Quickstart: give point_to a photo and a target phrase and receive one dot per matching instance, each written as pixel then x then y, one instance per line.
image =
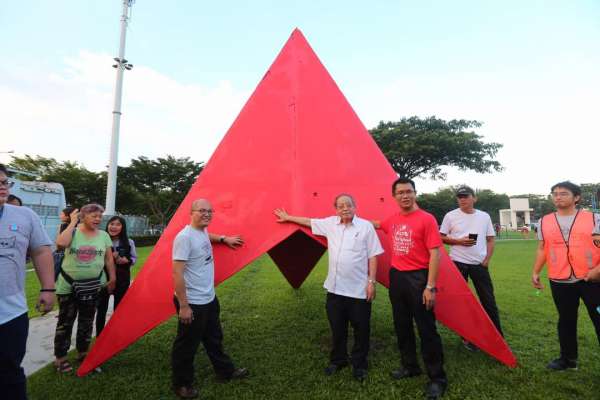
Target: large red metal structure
pixel 297 143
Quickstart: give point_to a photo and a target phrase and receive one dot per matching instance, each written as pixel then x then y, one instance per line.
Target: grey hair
pixel 91 208
pixel 343 195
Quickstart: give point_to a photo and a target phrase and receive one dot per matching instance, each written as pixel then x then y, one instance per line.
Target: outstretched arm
pixel 231 241
pixel 283 216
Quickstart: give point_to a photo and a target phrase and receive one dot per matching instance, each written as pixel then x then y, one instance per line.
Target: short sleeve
pixel 596 230
pixel 320 226
pixel 540 235
pixel 373 244
pixel 432 234
pixel 445 228
pixel 133 252
pixel 385 225
pixel 181 248
pixel 38 237
pixel 490 228
pixel 107 241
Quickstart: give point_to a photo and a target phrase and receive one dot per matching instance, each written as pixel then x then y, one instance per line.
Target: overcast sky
pixel 528 70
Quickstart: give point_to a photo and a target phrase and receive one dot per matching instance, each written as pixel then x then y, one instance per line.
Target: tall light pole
pixel 121 66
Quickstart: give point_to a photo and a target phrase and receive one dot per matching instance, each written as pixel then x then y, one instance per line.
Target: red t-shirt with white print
pixel 411 236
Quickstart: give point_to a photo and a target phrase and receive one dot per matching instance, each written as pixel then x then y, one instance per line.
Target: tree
pixel 444 200
pixel 161 184
pixel 416 146
pixel 81 185
pixel 590 195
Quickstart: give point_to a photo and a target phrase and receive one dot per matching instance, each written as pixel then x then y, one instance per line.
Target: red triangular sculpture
pixel 296 144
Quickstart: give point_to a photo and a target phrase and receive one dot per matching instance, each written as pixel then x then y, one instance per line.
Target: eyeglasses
pixel 404 192
pixel 560 194
pixel 7 183
pixel 204 211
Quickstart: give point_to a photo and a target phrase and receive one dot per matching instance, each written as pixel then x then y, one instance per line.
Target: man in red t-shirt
pixel 415 241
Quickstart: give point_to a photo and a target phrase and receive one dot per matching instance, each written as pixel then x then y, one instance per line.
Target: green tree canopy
pixel 81 185
pixel 416 146
pixel 154 188
pixel 161 184
pixel 444 200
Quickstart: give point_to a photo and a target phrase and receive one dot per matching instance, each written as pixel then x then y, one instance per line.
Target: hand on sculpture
pixel 233 241
pixel 282 215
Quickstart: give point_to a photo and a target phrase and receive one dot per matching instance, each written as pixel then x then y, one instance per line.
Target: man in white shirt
pixel 197 305
pixel 353 248
pixel 471 237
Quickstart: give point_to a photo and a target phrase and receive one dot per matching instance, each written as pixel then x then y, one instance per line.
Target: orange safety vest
pixel 577 255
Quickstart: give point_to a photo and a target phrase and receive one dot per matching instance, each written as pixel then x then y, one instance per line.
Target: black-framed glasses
pixel 7 183
pixel 205 211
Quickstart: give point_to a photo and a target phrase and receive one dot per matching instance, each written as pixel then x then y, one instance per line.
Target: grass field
pixel 282 336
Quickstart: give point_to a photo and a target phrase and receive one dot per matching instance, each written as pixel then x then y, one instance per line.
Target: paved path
pixel 40 342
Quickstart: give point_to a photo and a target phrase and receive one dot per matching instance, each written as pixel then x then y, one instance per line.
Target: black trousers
pixel 122 284
pixel 205 328
pixel 406 295
pixel 13 339
pixel 566 298
pixel 342 310
pixel 482 281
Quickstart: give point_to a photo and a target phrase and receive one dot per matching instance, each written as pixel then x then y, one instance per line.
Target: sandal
pixel 64 367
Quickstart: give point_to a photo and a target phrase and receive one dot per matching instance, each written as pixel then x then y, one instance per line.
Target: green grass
pixel 282 336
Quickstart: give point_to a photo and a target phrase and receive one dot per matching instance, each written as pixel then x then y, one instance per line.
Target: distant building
pixel 517 215
pixel 47 199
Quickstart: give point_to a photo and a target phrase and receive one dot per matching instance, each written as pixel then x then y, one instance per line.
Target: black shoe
pixel 403 373
pixel 360 374
pixel 238 373
pixel 435 390
pixel 561 364
pixel 333 368
pixel 186 392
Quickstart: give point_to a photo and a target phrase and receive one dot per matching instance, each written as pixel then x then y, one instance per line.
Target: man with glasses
pixel 470 234
pixel 353 249
pixel 567 246
pixel 196 303
pixel 20 230
pixel 415 242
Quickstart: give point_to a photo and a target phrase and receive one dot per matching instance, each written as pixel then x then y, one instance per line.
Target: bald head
pixel 201 204
pixel 202 213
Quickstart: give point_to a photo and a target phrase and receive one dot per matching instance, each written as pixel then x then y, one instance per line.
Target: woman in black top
pixel 125 256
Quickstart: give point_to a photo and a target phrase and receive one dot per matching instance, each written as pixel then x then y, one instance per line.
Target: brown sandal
pixel 64 367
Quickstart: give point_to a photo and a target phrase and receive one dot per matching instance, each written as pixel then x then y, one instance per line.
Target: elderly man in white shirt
pixel 353 249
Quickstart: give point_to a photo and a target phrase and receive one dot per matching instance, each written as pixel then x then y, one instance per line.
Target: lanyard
pixel 1 211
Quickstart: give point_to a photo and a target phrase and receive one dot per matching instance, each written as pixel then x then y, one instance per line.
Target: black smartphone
pixel 473 236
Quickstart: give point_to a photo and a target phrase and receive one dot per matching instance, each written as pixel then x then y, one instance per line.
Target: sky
pixel 528 70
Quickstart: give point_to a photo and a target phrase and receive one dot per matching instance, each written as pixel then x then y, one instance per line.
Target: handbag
pixel 84 290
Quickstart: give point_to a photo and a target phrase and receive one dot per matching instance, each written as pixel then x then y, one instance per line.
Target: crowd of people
pixel 90 264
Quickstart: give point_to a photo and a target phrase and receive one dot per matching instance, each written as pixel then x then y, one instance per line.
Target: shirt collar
pixel 339 220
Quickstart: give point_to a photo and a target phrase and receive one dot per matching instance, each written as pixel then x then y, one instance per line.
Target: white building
pixel 517 215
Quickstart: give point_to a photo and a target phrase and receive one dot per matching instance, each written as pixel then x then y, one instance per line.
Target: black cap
pixel 465 191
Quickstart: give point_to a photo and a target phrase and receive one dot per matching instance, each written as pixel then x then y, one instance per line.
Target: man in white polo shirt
pixel 471 237
pixel 353 248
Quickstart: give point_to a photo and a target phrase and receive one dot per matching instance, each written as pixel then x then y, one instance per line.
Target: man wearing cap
pixel 471 236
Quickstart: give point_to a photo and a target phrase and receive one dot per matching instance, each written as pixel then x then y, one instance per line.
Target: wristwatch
pixel 222 239
pixel 432 289
pixel 373 281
